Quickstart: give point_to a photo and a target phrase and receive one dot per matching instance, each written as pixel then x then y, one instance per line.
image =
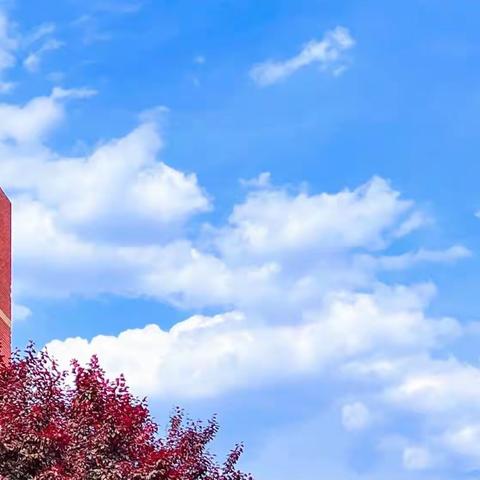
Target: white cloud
pixel 273 222
pixel 286 263
pixel 299 299
pixel 21 312
pixel 417 219
pixel 410 259
pixel 465 441
pixel 355 416
pixel 205 356
pixel 7 87
pixel 84 225
pixel 120 180
pixel 416 458
pixel 260 181
pixel 328 53
pixel 426 386
pixel 31 123
pixel 442 393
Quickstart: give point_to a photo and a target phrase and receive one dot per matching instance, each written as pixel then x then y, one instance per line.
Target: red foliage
pixel 85 427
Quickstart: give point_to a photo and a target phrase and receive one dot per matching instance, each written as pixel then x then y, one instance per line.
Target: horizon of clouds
pixel 244 268
pixel 288 270
pixel 328 53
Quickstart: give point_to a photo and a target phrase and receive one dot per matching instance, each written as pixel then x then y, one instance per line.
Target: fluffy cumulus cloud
pixel 272 221
pixel 443 393
pixel 291 274
pixel 119 183
pixel 328 53
pixel 111 222
pixel 29 124
pixel 203 356
pixel 102 213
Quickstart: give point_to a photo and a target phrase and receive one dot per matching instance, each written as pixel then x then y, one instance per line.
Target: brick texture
pixel 5 272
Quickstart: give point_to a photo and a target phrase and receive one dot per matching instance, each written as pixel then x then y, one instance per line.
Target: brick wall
pixel 5 273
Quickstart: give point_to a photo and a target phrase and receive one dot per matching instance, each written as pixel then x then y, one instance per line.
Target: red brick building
pixel 5 274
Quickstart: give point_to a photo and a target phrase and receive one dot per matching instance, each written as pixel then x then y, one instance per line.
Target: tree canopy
pixel 79 425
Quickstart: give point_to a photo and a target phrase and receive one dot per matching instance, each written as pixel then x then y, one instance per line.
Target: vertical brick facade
pixel 5 274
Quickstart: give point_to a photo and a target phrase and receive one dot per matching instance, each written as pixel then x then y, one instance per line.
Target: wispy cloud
pixel 15 44
pixel 90 29
pixel 34 59
pixel 8 42
pixel 37 44
pixel 91 23
pixel 328 53
pixel 8 46
pixel 119 6
pixel 39 33
pixel 263 180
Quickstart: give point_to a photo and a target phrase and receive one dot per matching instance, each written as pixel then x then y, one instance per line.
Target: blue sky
pixel 266 210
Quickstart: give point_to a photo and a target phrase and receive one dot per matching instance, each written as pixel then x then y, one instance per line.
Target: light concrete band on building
pixel 5 319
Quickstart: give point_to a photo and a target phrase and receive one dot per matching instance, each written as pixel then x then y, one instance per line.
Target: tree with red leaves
pixel 81 426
